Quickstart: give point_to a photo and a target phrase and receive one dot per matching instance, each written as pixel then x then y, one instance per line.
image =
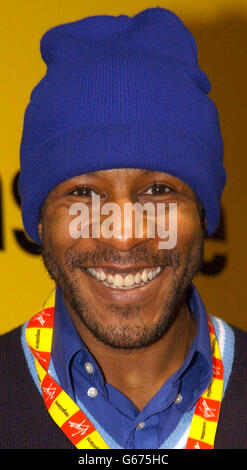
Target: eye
pixel 158 189
pixel 83 191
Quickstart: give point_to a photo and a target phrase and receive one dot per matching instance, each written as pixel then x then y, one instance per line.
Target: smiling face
pixel 124 290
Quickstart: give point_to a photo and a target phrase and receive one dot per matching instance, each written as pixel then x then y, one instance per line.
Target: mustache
pixel 110 255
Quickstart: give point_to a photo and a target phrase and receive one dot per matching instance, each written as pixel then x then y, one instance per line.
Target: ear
pixel 40 229
pixel 205 225
pixel 40 224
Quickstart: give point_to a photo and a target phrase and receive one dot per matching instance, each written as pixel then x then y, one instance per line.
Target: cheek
pixel 56 229
pixel 57 236
pixel 189 229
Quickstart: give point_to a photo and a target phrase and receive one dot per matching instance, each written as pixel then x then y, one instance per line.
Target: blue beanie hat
pixel 121 92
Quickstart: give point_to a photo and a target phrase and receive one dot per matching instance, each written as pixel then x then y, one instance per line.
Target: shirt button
pixel 89 367
pixel 179 399
pixel 92 392
pixel 141 425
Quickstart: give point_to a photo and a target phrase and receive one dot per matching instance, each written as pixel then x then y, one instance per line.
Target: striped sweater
pixel 25 422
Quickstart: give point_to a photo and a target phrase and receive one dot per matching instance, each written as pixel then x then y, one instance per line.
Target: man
pixel 123 354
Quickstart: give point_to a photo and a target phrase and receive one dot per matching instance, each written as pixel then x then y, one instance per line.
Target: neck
pixel 140 373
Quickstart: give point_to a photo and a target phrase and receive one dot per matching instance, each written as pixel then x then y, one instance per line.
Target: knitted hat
pixel 120 92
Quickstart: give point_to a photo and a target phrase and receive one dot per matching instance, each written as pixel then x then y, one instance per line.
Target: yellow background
pixel 220 29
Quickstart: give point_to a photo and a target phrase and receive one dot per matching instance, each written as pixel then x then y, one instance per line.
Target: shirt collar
pixel 196 371
pixel 67 342
pixel 201 343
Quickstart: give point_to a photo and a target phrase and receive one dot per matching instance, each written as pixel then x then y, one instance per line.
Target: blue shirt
pixel 78 372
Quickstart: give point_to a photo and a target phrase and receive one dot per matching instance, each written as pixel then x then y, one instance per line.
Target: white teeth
pixel 118 280
pixel 125 282
pixel 138 278
pixel 144 276
pixel 102 275
pixel 110 278
pixel 129 280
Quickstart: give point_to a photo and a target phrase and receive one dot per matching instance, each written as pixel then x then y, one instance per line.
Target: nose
pixel 125 224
